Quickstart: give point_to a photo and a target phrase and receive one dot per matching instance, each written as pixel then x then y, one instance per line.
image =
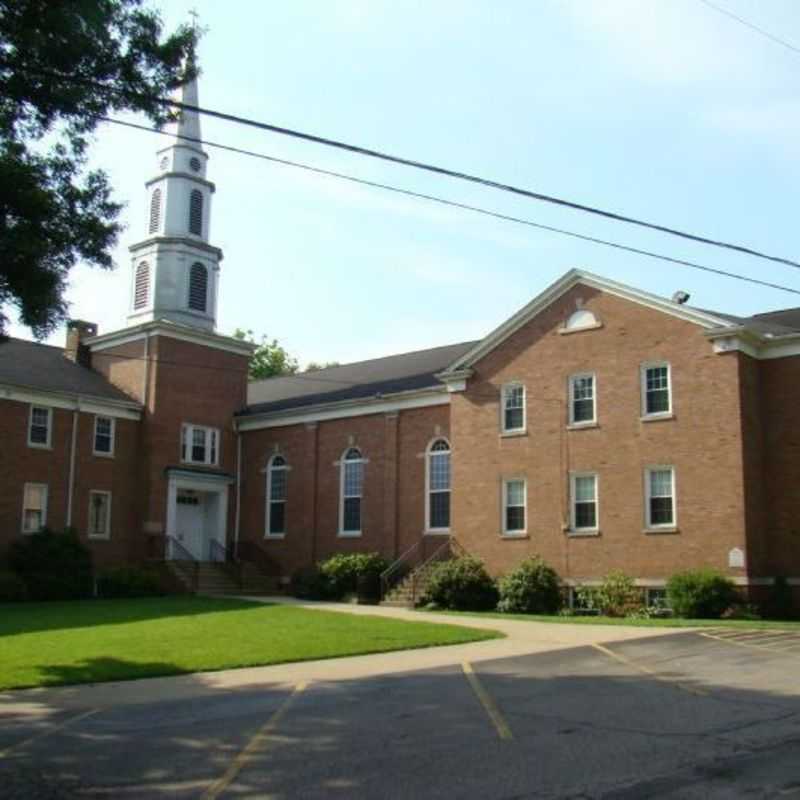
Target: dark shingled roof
pixel 361 380
pixel 777 323
pixel 43 367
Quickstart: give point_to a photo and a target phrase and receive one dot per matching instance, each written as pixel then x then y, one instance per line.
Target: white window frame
pixel 584 423
pixel 49 443
pixel 342 468
pixel 187 434
pixel 517 532
pixel 429 453
pixel 113 436
pixel 45 502
pixel 573 529
pixel 271 469
pixel 643 390
pixel 648 523
pixel 504 392
pixel 107 533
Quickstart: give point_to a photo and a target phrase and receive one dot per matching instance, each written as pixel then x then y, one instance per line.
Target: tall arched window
pixel 155 211
pixel 141 286
pixel 198 287
pixel 277 470
pixel 437 496
pixel 351 487
pixel 196 212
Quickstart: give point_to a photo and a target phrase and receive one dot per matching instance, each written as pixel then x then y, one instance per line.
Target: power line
pixel 462 206
pixel 751 25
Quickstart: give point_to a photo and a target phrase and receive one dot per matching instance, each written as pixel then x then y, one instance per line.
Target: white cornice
pixel 756 345
pixel 163 242
pixel 89 404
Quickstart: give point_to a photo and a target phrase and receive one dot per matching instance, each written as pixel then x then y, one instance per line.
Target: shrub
pixel 462 584
pixel 700 594
pixel 778 603
pixel 344 571
pixel 618 595
pixel 532 588
pixel 309 583
pixel 12 588
pixel 128 582
pixel 53 566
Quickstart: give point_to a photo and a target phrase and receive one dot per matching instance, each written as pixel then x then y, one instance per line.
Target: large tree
pixel 269 359
pixel 64 64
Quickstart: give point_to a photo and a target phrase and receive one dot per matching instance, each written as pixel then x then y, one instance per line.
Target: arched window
pixel 196 212
pixel 141 286
pixel 155 210
pixel 351 487
pixel 198 287
pixel 277 471
pixel 437 479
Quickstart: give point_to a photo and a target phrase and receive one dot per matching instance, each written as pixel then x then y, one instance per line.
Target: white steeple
pixel 175 271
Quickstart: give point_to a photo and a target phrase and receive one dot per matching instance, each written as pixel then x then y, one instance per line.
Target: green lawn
pixel 47 644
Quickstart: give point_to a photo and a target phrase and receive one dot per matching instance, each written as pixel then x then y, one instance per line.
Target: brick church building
pixel 601 427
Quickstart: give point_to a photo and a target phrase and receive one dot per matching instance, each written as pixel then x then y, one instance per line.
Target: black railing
pixel 224 558
pixel 247 551
pixel 413 564
pixel 169 548
pixel 399 568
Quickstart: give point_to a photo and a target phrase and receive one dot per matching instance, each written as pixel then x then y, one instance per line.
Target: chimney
pixel 77 332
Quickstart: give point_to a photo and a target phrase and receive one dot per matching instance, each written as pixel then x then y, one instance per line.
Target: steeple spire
pixel 188 122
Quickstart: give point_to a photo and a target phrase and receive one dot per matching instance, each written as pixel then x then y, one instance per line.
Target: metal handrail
pixel 186 561
pixel 223 557
pixel 392 575
pixel 448 545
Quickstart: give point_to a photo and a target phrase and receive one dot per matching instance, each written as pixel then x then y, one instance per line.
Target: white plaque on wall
pixel 736 557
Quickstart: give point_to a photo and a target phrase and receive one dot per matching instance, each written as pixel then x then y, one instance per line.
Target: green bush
pixel 309 583
pixel 344 571
pixel 461 584
pixel 12 588
pixel 128 582
pixel 53 566
pixel 700 594
pixel 532 588
pixel 618 596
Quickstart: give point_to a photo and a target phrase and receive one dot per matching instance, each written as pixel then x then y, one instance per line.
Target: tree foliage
pixel 63 65
pixel 315 366
pixel 269 359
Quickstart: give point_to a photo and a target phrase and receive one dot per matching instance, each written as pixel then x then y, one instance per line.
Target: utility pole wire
pixel 751 25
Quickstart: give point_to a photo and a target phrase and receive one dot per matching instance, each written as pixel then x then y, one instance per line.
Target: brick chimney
pixel 75 350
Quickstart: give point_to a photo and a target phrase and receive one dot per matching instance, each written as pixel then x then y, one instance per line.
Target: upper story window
pixel 515 492
pixel 40 426
pixel 583 495
pixel 34 507
pixel 196 212
pixel 198 287
pixel 199 445
pixel 660 497
pixel 351 489
pixel 656 390
pixel 582 399
pixel 513 407
pixel 104 436
pixel 141 286
pixel 438 483
pixel 277 474
pixel 155 211
pixel 99 515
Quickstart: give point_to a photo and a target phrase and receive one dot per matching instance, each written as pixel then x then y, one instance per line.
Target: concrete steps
pixel 405 594
pixel 213 579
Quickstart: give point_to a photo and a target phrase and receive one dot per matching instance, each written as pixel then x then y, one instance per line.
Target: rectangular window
pixel 34 507
pixel 352 484
pixel 660 497
pixel 40 426
pixel 582 399
pixel 277 501
pixel 439 487
pixel 513 399
pixel 199 445
pixel 514 501
pixel 104 436
pixel 656 390
pixel 584 502
pixel 99 515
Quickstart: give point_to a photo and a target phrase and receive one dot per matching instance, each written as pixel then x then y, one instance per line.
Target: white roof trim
pixel 563 285
pixel 89 404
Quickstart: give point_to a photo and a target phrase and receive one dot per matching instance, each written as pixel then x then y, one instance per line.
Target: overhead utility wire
pixel 750 25
pixel 463 206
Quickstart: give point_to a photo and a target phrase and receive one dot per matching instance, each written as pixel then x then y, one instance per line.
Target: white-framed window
pixel 277 475
pixel 659 484
pixel 198 287
pixel 34 507
pixel 199 445
pixel 512 398
pixel 437 482
pixel 515 492
pixel 99 515
pixel 656 390
pixel 351 487
pixel 584 516
pixel 40 426
pixel 104 434
pixel 583 399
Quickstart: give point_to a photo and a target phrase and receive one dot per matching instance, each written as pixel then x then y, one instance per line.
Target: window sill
pixel 656 417
pixel 274 537
pixel 349 534
pixel 667 529
pixel 515 535
pixel 567 331
pixel 579 426
pixel 34 446
pixel 102 455
pixel 512 434
pixel 436 532
pixel 580 534
pixel 200 464
pixel 97 537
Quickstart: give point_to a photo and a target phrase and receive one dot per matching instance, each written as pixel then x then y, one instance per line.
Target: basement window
pixel 199 445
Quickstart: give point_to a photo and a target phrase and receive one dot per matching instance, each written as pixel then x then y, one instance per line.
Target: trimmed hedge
pixel 461 584
pixel 617 596
pixel 345 572
pixel 700 594
pixel 128 582
pixel 532 588
pixel 12 588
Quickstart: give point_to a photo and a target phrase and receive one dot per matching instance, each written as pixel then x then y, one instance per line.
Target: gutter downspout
pixel 238 492
pixel 71 479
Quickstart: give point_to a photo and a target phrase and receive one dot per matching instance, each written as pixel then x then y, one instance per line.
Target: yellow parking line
pixel 501 726
pixel 649 672
pixel 759 647
pixel 221 784
pixel 49 732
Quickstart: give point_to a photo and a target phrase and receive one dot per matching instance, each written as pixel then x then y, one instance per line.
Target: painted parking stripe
pixel 48 732
pixel 257 742
pixel 760 647
pixel 493 712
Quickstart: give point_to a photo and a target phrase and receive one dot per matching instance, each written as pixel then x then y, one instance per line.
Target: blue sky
pixel 661 109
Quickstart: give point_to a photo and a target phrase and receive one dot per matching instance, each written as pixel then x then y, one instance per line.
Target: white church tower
pixel 175 271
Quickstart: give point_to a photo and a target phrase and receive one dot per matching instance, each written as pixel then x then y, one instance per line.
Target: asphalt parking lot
pixel 694 714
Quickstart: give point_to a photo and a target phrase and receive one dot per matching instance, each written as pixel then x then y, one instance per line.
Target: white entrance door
pixel 190 522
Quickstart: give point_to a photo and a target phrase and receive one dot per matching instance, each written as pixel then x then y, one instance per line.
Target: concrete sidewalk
pixel 521 638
